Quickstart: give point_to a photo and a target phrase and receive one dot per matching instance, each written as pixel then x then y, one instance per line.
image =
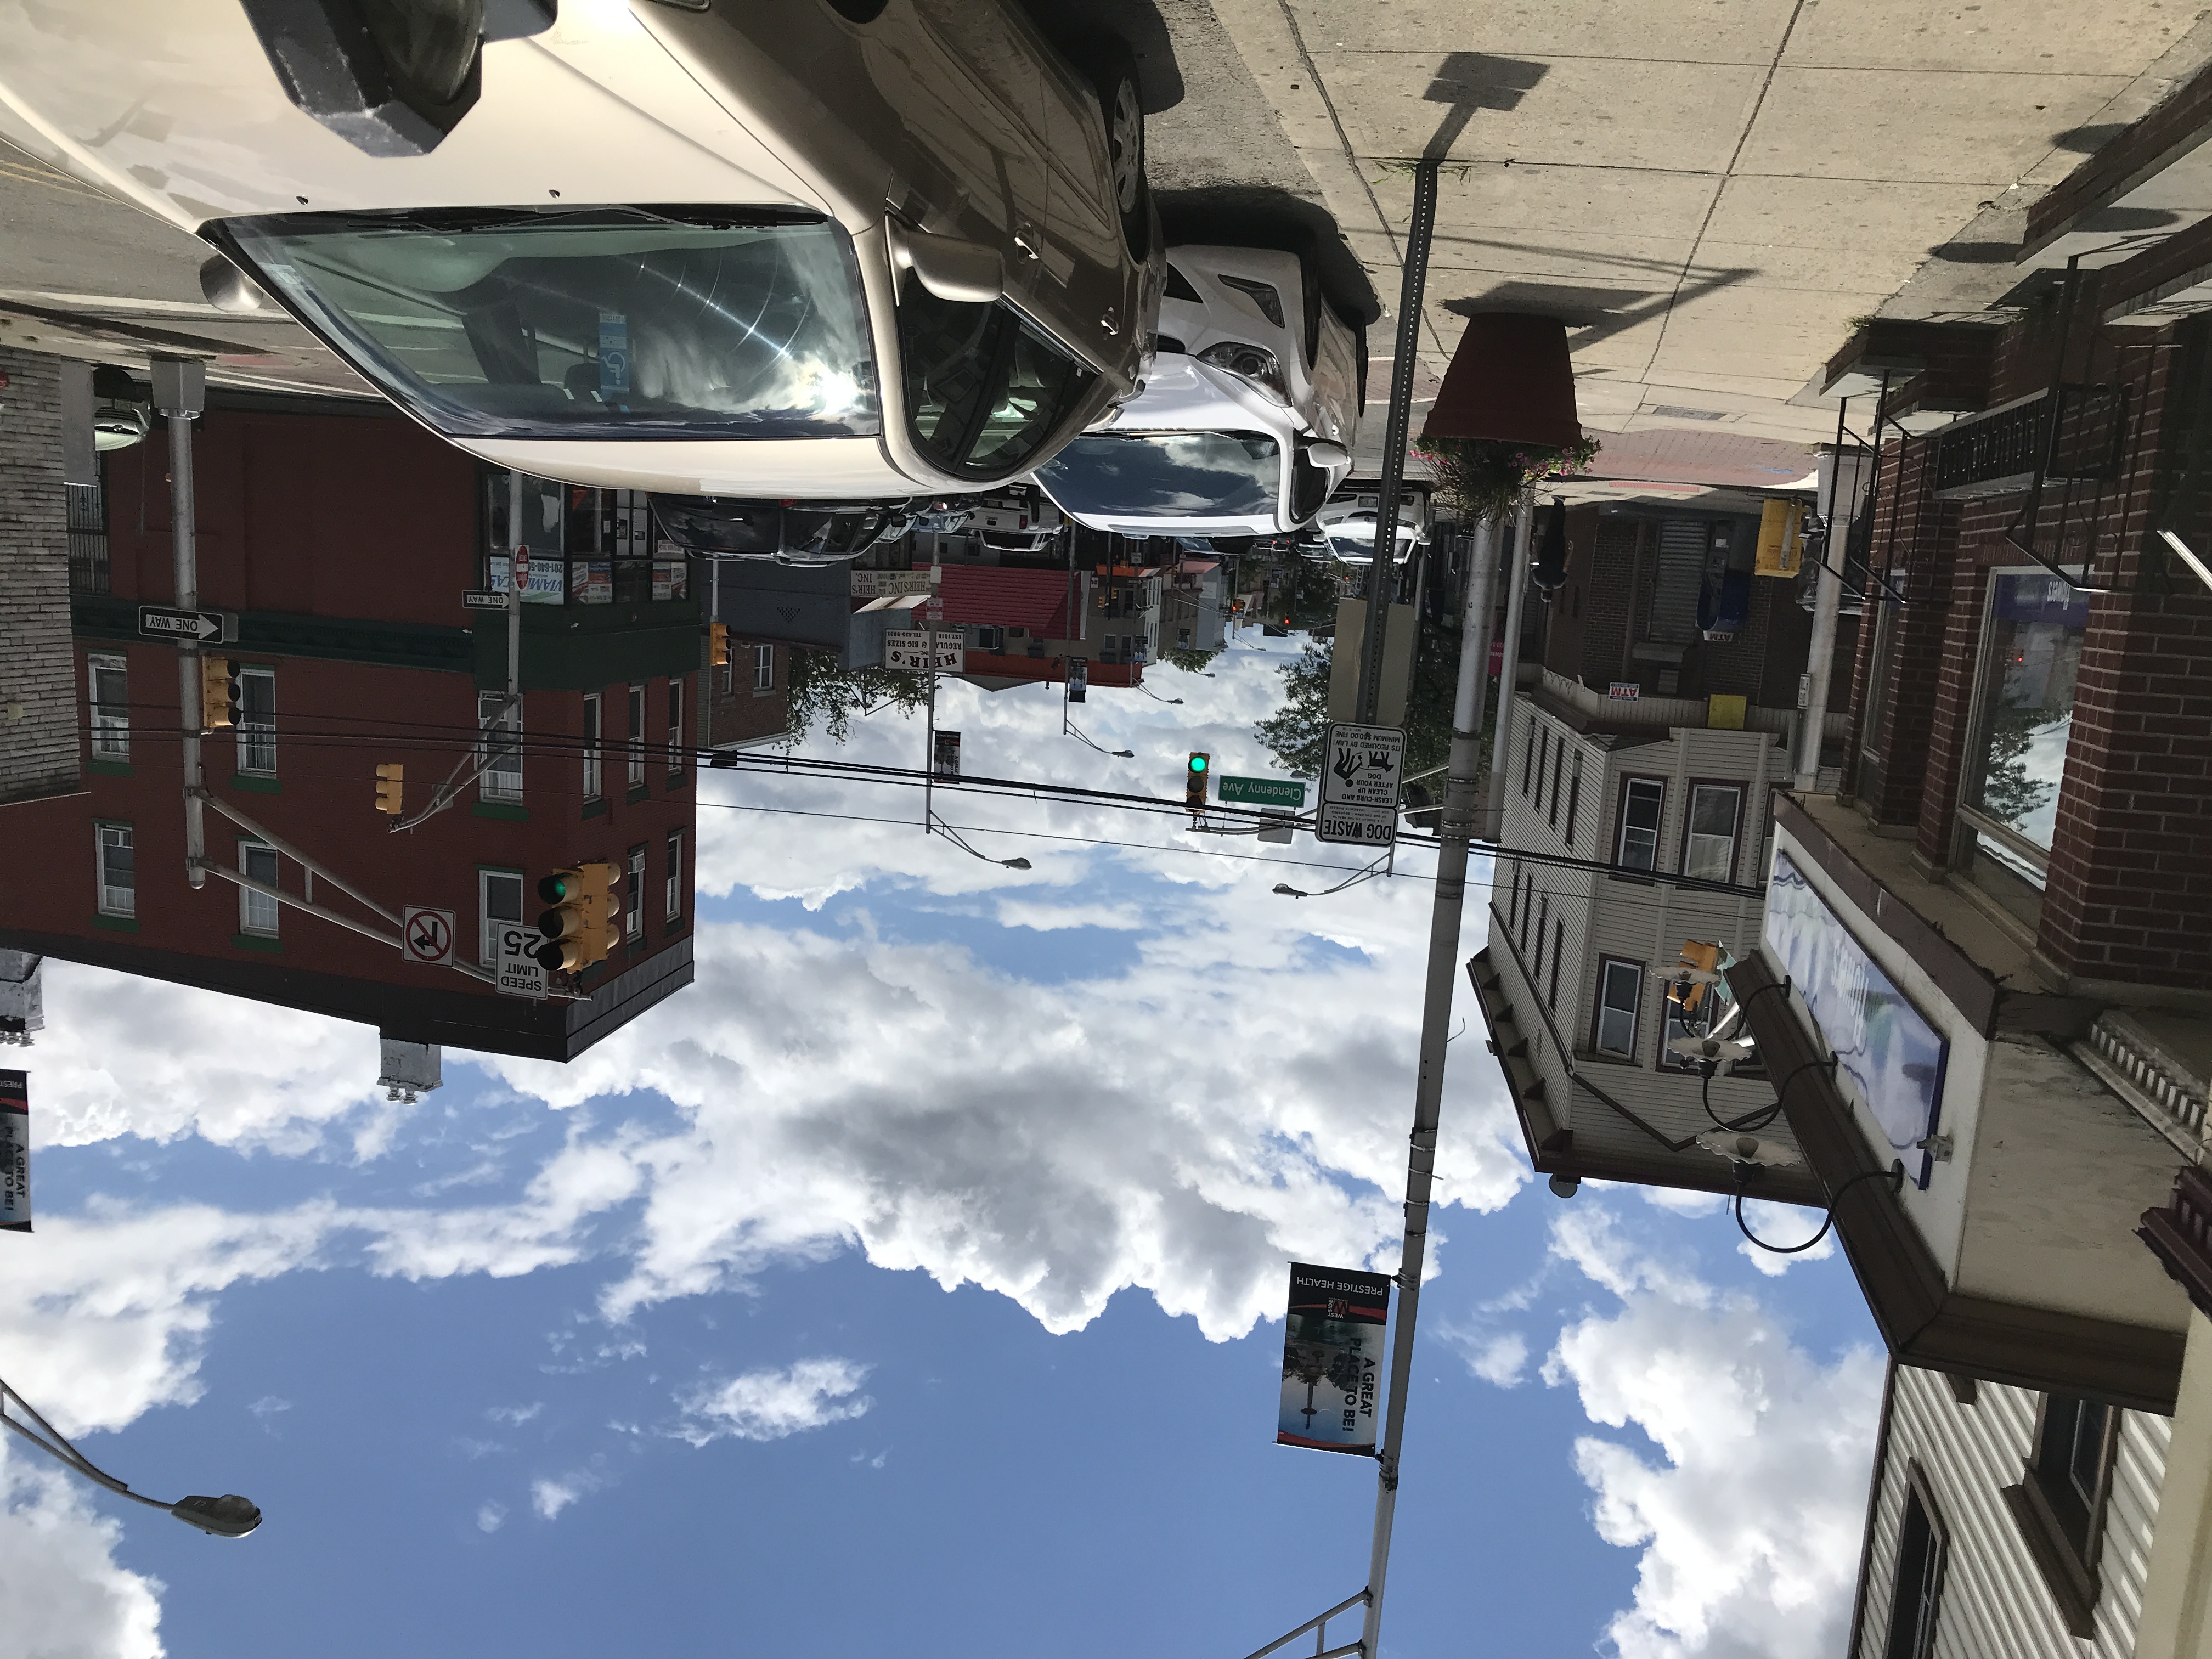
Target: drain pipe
pixel 1513 571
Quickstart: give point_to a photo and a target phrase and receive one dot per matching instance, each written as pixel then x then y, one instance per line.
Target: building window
pixel 499 895
pixel 1559 949
pixel 1513 903
pixel 1543 754
pixel 1709 838
pixel 593 729
pixel 1620 995
pixel 674 881
pixel 1527 758
pixel 637 737
pixel 2059 1505
pixel 501 778
pixel 1918 1584
pixel 257 720
pixel 107 684
pixel 1574 798
pixel 1642 801
pixel 634 924
pixel 676 744
pixel 1543 916
pixel 257 913
pixel 2024 716
pixel 763 668
pixel 118 878
pixel 1559 765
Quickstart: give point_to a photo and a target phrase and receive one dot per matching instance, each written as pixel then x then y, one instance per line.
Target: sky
pixel 912 1282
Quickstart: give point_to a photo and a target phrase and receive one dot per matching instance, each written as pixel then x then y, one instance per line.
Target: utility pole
pixel 1456 829
pixel 1516 581
pixel 180 393
pixel 1397 434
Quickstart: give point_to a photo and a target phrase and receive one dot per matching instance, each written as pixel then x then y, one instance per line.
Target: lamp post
pixel 227 1516
pixel 939 826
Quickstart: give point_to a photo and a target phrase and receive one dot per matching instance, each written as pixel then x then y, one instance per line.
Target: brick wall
pixel 39 742
pixel 746 711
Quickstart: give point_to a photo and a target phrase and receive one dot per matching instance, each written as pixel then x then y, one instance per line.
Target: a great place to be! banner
pixel 1332 1358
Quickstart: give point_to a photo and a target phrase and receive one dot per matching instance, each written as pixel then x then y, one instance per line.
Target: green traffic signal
pixel 1198 762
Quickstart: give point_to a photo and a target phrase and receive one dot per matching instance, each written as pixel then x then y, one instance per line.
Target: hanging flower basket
pixel 1504 417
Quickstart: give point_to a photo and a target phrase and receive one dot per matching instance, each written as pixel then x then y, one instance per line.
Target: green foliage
pixel 1483 476
pixel 2008 793
pixel 1190 661
pixel 825 695
pixel 1298 733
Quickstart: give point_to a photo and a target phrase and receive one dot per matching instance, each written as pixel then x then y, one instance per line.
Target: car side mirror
pixel 1326 454
pixel 963 272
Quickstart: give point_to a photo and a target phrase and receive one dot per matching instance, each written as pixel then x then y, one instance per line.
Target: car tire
pixel 1120 100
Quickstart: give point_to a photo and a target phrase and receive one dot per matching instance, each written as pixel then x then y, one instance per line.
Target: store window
pixel 108 691
pixel 2024 717
pixel 117 857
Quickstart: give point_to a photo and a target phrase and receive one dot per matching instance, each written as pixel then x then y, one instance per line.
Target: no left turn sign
pixel 427 936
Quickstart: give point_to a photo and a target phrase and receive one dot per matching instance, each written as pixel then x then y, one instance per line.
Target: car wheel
pixel 1120 100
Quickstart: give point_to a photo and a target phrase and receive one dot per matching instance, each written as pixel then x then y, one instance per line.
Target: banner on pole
pixel 1333 1359
pixel 14 1152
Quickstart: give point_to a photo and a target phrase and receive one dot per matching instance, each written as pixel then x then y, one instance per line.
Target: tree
pixel 1189 660
pixel 1298 733
pixel 825 694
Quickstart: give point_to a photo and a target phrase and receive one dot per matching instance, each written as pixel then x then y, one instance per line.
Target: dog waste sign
pixel 1359 785
pixel 1333 1359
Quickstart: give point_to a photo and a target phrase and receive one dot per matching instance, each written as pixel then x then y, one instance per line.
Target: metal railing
pixel 87 519
pixel 2007 447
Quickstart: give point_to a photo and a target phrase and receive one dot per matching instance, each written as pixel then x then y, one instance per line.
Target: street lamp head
pixel 1125 754
pixel 1289 891
pixel 227 1516
pixel 1015 863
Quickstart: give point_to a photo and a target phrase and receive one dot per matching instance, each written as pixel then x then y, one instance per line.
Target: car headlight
pixel 1251 363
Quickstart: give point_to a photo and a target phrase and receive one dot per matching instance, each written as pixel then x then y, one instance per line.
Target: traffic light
pixel 391 780
pixel 1194 782
pixel 719 656
pixel 1689 992
pixel 219 692
pixel 580 928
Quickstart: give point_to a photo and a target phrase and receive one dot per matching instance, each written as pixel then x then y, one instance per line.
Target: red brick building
pixel 344 543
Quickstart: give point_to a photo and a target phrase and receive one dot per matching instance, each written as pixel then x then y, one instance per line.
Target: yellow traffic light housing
pixel 1690 994
pixel 390 782
pixel 1195 772
pixel 719 655
pixel 580 928
pixel 218 692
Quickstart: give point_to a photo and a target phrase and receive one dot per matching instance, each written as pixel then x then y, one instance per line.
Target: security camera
pixel 1750 1149
pixel 1566 1186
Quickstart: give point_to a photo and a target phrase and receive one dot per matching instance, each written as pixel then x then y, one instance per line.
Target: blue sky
pixel 909 1283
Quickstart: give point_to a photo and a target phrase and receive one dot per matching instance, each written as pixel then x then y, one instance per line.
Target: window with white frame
pixel 674 882
pixel 502 746
pixel 257 720
pixel 593 726
pixel 637 737
pixel 499 905
pixel 1709 837
pixel 676 744
pixel 1642 801
pixel 634 924
pixel 1574 796
pixel 118 869
pixel 1620 995
pixel 257 913
pixel 763 668
pixel 107 687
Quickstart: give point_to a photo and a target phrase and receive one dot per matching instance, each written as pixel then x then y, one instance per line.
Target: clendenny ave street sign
pixel 1359 785
pixel 1261 792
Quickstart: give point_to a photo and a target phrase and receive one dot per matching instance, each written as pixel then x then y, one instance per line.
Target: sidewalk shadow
pixel 1260 216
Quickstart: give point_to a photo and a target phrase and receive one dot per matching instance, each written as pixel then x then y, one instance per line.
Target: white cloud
pixel 65 1595
pixel 1499 1360
pixel 490 1517
pixel 1784 1224
pixel 773 1405
pixel 1749 1522
pixel 549 1498
pixel 514 1416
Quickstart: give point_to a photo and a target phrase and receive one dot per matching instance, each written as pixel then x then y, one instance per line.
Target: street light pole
pixel 1454 832
pixel 227 1516
pixel 1508 667
pixel 180 393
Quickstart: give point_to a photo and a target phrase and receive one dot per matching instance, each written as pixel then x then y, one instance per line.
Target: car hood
pixel 778 469
pixel 1182 394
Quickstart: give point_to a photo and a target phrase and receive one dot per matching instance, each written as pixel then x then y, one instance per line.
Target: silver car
pixel 841 250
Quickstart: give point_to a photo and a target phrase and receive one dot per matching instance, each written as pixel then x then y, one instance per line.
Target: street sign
pixel 14 1152
pixel 476 598
pixel 888 584
pixel 427 936
pixel 1078 679
pixel 1333 1359
pixel 160 621
pixel 1261 792
pixel 917 650
pixel 1359 785
pixel 520 973
pixel 945 762
pixel 1280 829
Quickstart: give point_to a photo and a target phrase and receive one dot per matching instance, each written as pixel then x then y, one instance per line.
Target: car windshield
pixel 984 386
pixel 1167 474
pixel 607 323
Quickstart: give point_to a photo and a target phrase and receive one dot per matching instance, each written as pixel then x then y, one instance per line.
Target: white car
pixel 848 250
pixel 1246 421
pixel 1347 524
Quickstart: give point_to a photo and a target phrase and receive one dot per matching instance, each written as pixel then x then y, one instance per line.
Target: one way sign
pixel 159 622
